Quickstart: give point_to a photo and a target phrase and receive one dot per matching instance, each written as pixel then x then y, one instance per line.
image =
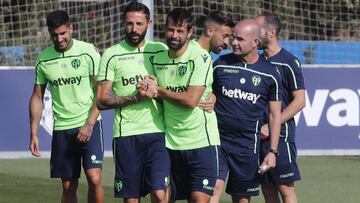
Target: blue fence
pixel 330 121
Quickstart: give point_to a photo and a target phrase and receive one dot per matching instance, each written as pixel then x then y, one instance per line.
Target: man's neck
pixel 251 58
pixel 272 49
pixel 135 45
pixel 204 42
pixel 178 53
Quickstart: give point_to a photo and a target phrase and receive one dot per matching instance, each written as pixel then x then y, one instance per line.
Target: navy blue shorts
pixel 241 166
pixel 286 169
pixel 67 153
pixel 142 165
pixel 193 170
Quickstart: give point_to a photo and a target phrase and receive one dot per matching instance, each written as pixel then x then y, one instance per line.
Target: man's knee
pixel 69 186
pixel 93 177
pixel 287 192
pixel 240 199
pixel 158 196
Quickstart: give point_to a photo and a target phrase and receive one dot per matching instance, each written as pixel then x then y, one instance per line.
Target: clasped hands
pixel 148 87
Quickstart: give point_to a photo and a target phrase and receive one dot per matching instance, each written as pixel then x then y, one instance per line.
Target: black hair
pixel 137 6
pixel 217 17
pixel 57 18
pixel 180 15
pixel 271 20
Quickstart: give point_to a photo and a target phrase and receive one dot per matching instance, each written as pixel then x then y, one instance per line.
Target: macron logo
pixel 239 94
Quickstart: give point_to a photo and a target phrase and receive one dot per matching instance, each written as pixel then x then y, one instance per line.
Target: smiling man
pixel 69 67
pixel 142 163
pixel 184 76
pixel 246 86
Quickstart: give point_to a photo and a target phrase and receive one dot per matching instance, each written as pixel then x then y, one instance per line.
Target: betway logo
pixel 239 94
pixel 179 88
pixel 66 81
pixel 131 80
pixel 342 107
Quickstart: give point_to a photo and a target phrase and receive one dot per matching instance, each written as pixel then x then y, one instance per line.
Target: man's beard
pixel 135 42
pixel 177 46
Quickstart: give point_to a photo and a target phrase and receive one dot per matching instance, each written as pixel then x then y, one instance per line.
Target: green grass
pixel 324 179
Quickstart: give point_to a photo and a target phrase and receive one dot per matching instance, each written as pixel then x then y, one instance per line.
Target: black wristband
pixel 274 151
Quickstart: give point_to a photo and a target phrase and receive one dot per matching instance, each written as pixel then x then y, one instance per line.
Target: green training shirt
pixel 125 66
pixel 69 75
pixel 187 128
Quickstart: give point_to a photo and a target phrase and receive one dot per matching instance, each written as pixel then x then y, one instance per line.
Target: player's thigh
pixel 65 161
pixel 204 169
pixel 243 178
pixel 194 170
pixel 93 150
pixel 129 157
pixel 157 167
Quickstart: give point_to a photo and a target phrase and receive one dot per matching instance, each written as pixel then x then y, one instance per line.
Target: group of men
pixel 170 138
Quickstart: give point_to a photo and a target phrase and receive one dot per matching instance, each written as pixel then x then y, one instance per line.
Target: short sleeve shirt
pixel 187 128
pixel 125 66
pixel 69 75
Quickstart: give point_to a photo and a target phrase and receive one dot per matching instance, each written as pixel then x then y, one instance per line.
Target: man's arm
pixel 105 99
pixel 274 128
pixel 209 104
pixel 85 131
pixel 295 105
pixel 190 98
pixel 35 111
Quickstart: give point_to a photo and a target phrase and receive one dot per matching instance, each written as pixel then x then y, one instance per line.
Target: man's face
pixel 136 26
pixel 264 35
pixel 220 39
pixel 61 37
pixel 243 42
pixel 177 35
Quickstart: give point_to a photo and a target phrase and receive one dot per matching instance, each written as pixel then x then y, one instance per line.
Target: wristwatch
pixel 274 151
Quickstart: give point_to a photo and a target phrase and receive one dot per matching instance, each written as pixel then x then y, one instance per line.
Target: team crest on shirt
pixel 182 70
pixel 75 63
pixel 256 80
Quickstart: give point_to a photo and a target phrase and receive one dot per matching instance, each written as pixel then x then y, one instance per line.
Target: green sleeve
pixel 202 65
pixel 107 67
pixel 39 74
pixel 94 63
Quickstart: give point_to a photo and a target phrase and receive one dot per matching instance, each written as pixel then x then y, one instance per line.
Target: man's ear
pixel 210 31
pixel 71 28
pixel 272 32
pixel 190 32
pixel 256 43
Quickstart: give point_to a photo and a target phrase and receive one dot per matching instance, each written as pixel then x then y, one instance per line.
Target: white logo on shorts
pixel 205 185
pixel 205 182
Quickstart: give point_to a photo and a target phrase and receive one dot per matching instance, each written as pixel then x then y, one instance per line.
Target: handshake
pixel 148 87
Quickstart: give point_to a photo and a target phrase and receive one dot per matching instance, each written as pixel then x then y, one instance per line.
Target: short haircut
pixel 180 15
pixel 135 6
pixel 271 20
pixel 57 18
pixel 218 17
